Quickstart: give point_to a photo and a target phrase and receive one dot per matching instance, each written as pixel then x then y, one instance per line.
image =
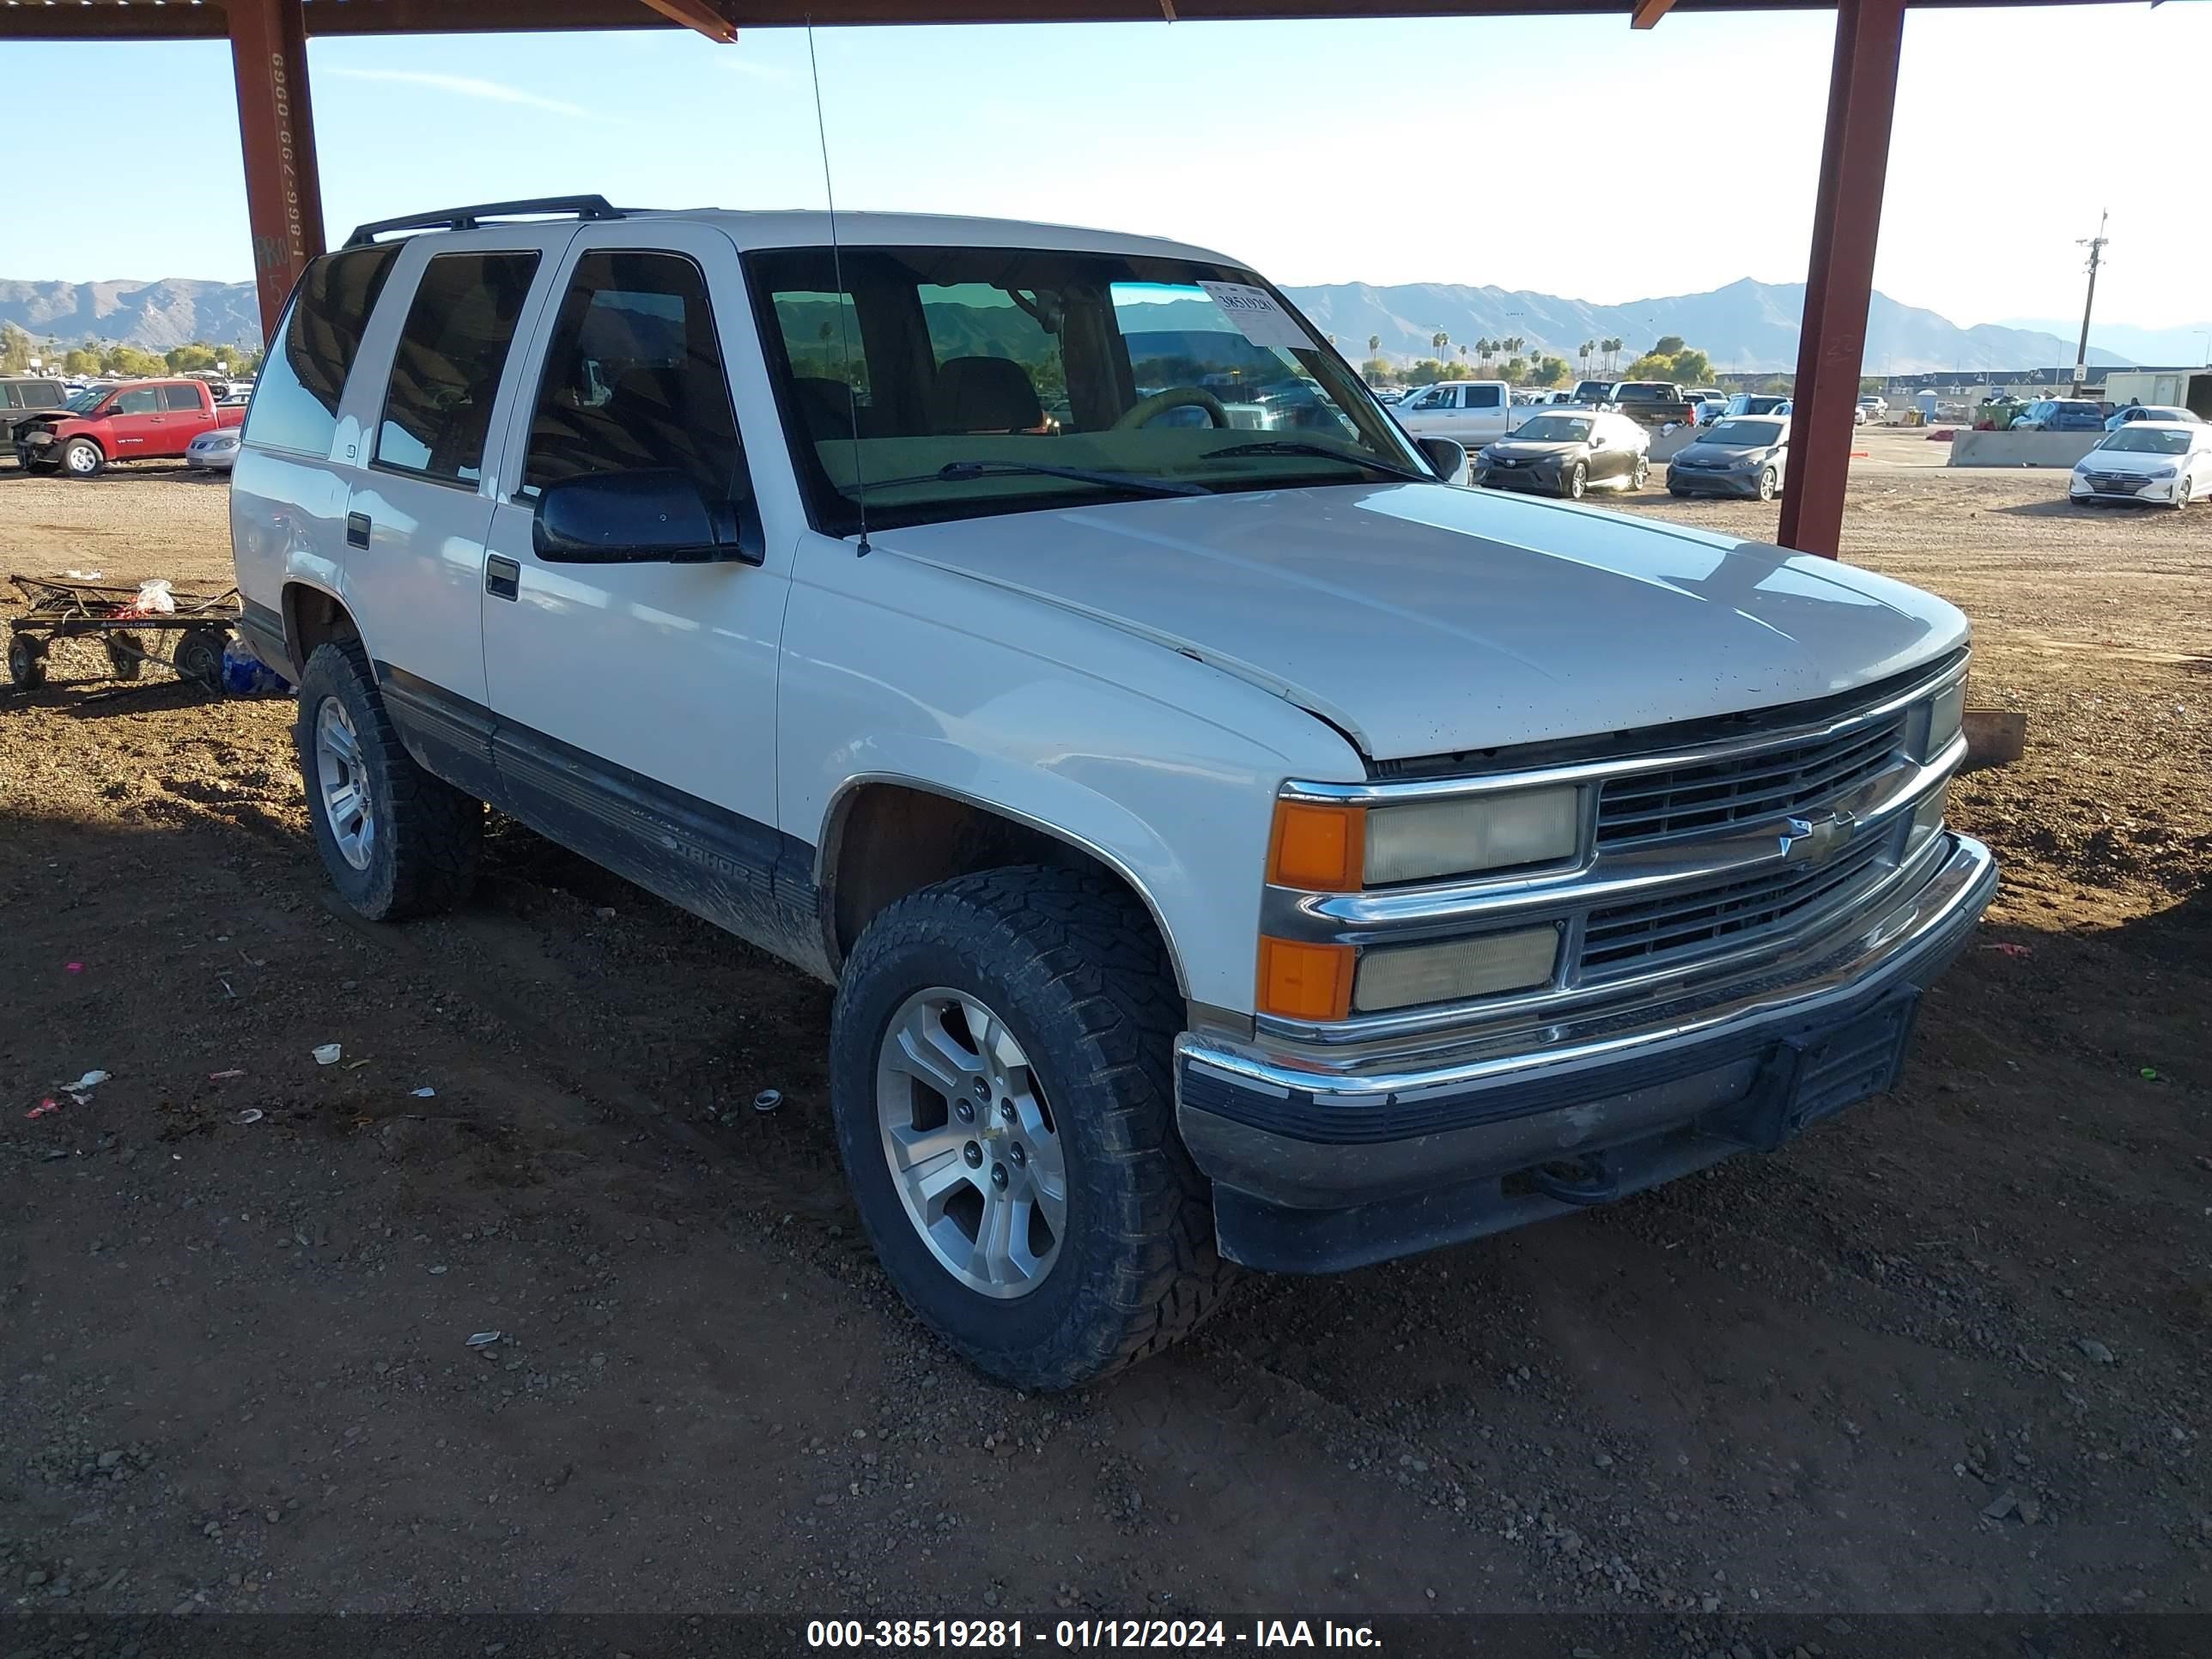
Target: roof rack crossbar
pixel 470 218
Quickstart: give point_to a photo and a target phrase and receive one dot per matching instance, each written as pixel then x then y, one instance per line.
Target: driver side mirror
pixel 1448 458
pixel 648 517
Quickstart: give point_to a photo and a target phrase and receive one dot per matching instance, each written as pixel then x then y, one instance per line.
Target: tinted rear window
pixel 1647 389
pixel 445 374
pixel 296 403
pixel 184 397
pixel 40 394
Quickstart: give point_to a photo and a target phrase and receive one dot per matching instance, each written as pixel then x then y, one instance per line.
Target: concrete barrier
pixel 2022 448
pixel 1665 445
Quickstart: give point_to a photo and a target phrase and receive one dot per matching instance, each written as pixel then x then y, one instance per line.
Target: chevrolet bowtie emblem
pixel 1812 839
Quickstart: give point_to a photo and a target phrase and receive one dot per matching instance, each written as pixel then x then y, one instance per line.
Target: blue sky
pixel 1317 151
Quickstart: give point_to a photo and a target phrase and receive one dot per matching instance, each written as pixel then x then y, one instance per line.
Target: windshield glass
pixel 88 399
pixel 1739 433
pixel 1555 429
pixel 2147 440
pixel 936 377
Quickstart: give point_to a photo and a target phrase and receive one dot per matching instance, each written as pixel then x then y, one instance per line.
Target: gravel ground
pixel 1946 1355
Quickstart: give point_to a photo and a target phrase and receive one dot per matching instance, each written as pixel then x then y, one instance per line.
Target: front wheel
pixel 396 840
pixel 1578 482
pixel 1001 1079
pixel 1769 485
pixel 82 459
pixel 1642 476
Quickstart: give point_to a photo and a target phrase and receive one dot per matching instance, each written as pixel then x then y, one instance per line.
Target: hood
pixel 1534 449
pixel 1701 451
pixel 2127 461
pixel 1424 620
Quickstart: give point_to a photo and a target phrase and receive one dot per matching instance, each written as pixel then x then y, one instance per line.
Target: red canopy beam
pixel 277 129
pixel 1840 282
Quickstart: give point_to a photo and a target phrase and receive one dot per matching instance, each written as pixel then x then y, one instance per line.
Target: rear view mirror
pixel 1448 458
pixel 654 517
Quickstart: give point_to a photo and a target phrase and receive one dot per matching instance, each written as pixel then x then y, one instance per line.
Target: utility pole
pixel 2096 247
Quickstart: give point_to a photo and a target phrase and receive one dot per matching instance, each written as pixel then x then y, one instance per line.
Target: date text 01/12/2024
pixel 946 1635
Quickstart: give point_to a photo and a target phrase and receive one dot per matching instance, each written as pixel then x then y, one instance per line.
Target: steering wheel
pixel 1175 396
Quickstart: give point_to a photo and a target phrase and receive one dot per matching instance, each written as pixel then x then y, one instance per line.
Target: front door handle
pixel 356 530
pixel 502 577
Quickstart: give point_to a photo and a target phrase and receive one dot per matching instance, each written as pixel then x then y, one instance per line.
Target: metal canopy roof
pixel 203 20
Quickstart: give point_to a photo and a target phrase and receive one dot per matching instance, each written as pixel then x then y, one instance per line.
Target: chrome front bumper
pixel 1317 1168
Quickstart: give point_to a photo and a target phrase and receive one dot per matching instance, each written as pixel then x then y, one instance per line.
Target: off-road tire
pixel 429 834
pixel 27 662
pixel 1073 964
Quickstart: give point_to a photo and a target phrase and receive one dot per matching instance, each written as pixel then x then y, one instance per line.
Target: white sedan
pixel 213 452
pixel 2167 463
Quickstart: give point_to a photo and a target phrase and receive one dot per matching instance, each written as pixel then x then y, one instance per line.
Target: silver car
pixel 213 452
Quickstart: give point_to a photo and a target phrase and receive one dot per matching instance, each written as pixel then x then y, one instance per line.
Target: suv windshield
pixel 1555 429
pixel 1742 433
pixel 2147 440
pixel 949 382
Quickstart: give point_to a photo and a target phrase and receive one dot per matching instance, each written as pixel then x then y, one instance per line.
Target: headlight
pixel 1946 712
pixel 1425 839
pixel 1407 975
pixel 2164 472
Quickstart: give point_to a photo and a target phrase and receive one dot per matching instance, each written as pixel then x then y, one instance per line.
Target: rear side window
pixel 139 400
pixel 1482 397
pixel 184 397
pixel 296 402
pixel 445 374
pixel 634 379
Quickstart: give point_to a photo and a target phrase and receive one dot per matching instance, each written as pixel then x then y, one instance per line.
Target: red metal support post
pixel 275 124
pixel 1839 282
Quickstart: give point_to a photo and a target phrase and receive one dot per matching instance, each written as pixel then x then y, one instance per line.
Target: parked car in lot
pixel 1873 407
pixel 2059 414
pixel 2165 463
pixel 137 420
pixel 1711 409
pixel 1653 402
pixel 2133 412
pixel 1469 412
pixel 1737 455
pixel 22 396
pixel 1567 452
pixel 1227 847
pixel 1754 402
pixel 213 451
pixel 1594 394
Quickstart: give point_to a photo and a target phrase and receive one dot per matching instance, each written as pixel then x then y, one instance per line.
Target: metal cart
pixel 63 608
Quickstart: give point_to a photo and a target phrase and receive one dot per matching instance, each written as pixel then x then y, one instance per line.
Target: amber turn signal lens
pixel 1299 980
pixel 1323 848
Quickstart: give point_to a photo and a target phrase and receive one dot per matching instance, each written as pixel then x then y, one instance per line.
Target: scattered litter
pixel 90 1080
pixel 483 1339
pixel 1998 1507
pixel 226 991
pixel 251 1114
pixel 426 1092
pixel 768 1100
pixel 439 1268
pixel 84 576
pixel 2010 950
pixel 154 599
pixel 2149 1074
pixel 46 1106
pixel 225 1076
pixel 356 1065
pixel 328 1054
pixel 252 962
pixel 72 967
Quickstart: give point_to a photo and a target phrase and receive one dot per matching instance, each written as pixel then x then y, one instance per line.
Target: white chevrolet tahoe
pixel 1230 845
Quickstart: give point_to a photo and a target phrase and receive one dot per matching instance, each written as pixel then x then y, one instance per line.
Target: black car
pixel 1654 402
pixel 22 396
pixel 1736 455
pixel 1567 454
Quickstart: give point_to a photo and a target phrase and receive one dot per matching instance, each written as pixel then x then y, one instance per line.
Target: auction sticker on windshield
pixel 1257 317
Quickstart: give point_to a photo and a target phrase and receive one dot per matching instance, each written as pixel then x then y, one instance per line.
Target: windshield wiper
pixel 962 472
pixel 1291 446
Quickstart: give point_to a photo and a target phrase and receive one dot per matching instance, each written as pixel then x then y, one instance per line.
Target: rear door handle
pixel 502 577
pixel 356 530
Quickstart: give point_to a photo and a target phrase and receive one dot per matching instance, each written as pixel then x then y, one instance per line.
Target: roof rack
pixel 472 218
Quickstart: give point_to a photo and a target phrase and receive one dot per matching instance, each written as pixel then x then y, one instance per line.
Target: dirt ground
pixel 1946 1355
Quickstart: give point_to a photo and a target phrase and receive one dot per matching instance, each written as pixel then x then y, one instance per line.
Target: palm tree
pixel 1438 341
pixel 1584 351
pixel 1613 349
pixel 1374 345
pixel 1513 346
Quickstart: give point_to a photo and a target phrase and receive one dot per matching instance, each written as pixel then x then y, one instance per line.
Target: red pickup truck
pixel 132 422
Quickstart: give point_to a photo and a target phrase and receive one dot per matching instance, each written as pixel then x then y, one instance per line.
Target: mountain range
pixel 1745 326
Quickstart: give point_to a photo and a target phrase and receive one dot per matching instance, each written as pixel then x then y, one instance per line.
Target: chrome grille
pixel 1763 784
pixel 1679 926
